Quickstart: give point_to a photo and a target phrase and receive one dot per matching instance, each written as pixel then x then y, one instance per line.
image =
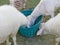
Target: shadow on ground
pixel 39 40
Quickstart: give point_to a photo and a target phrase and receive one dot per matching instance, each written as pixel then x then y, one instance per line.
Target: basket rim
pixel 39 22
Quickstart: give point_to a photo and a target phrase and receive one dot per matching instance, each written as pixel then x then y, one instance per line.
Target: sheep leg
pixel 57 41
pixel 7 42
pixel 14 40
pixel 24 3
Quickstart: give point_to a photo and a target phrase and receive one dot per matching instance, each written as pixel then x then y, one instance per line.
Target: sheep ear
pixel 40 32
pixel 42 25
pixel 41 29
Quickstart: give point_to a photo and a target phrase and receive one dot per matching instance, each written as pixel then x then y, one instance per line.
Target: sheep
pixel 10 21
pixel 45 8
pixel 52 26
pixel 19 4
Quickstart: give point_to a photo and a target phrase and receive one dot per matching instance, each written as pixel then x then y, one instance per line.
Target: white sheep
pixel 10 21
pixel 52 26
pixel 45 7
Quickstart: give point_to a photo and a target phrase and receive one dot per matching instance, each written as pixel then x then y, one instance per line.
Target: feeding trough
pixel 30 32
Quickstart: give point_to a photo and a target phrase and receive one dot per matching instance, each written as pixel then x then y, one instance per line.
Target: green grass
pixel 30 3
pixel 2 2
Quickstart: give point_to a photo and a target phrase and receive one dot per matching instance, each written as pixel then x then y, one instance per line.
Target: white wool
pixel 45 7
pixel 10 21
pixel 52 26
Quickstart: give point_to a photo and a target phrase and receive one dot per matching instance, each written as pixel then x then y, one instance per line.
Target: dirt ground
pixel 38 40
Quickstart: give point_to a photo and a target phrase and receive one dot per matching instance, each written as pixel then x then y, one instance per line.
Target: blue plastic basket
pixel 30 32
pixel 27 12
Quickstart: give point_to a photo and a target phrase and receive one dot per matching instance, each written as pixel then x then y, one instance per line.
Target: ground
pixel 38 40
